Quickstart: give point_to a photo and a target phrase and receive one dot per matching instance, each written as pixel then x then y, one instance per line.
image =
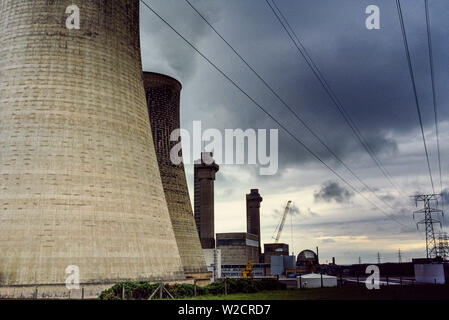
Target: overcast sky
pixel 367 70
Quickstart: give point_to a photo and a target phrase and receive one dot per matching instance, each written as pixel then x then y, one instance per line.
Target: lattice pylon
pixel 443 245
pixel 428 222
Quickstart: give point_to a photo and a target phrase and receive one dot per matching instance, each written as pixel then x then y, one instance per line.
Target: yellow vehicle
pixel 247 272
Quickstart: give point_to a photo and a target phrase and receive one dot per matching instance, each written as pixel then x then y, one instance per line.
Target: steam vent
pixel 79 177
pixel 163 98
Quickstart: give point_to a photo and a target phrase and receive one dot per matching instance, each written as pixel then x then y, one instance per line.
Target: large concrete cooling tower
pixel 79 178
pixel 163 96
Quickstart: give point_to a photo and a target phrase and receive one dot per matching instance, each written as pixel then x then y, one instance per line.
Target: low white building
pixel 430 273
pixel 316 280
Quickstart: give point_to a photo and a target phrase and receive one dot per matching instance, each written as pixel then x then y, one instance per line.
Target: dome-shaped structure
pixel 307 257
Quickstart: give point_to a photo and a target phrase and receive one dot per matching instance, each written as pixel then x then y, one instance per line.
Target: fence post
pixel 341 280
pixel 321 279
pixel 123 291
pixel 194 287
pixel 82 293
pixel 35 292
pixel 225 287
pixel 160 290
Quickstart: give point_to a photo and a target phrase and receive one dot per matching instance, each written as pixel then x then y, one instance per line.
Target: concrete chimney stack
pixel 204 177
pixel 253 200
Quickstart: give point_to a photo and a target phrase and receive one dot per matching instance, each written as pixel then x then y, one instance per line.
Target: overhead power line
pixel 434 99
pixel 286 105
pixel 415 93
pixel 267 113
pixel 336 101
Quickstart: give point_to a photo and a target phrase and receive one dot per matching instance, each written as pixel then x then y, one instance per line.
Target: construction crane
pixel 281 223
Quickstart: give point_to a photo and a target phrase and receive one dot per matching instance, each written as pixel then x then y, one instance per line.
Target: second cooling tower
pixel 163 98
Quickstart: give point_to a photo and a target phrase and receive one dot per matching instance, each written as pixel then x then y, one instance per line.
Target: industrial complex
pixel 86 175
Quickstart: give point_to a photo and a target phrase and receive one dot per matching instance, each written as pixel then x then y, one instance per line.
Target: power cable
pixel 304 53
pixel 266 112
pixel 415 93
pixel 302 121
pixel 434 99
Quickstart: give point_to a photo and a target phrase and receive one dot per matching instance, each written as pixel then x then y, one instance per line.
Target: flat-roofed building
pixel 238 248
pixel 274 249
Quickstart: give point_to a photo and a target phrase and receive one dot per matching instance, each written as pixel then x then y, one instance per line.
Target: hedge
pixel 142 290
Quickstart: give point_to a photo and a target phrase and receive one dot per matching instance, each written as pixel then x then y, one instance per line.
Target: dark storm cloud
pixel 162 50
pixel 365 68
pixel 332 191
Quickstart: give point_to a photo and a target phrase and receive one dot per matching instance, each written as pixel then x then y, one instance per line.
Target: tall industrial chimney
pixel 253 200
pixel 163 98
pixel 204 177
pixel 80 183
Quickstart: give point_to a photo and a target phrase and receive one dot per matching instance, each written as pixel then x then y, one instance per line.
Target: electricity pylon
pixel 442 245
pixel 428 221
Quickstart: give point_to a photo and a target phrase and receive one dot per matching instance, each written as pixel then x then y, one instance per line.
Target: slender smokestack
pixel 253 200
pixel 204 177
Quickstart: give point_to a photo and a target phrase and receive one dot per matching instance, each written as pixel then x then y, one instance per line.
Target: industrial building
pixel 274 249
pixel 238 248
pixel 280 264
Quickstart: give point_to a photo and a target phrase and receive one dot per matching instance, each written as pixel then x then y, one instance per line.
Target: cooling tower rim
pixel 161 76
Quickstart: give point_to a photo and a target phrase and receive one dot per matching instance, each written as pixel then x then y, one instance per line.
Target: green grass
pixel 341 293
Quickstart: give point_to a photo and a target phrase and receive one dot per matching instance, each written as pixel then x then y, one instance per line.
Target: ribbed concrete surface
pixel 163 98
pixel 79 177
